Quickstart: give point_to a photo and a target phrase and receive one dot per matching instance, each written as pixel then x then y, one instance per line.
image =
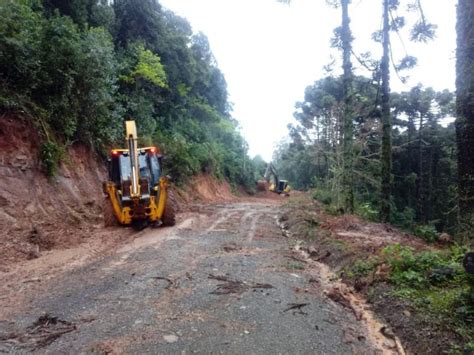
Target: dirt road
pixel 224 280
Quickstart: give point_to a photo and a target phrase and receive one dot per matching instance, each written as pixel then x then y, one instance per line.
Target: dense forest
pixel 424 152
pixel 389 156
pixel 77 69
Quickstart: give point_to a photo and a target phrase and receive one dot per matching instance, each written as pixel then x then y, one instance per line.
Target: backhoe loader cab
pixel 136 190
pixel 120 172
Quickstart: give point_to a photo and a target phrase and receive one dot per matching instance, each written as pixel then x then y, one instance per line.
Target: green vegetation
pixel 424 159
pixel 369 149
pixel 367 211
pixel 436 284
pixel 51 155
pixel 362 268
pixel 85 66
pixel 426 232
pixel 431 282
pixel 294 266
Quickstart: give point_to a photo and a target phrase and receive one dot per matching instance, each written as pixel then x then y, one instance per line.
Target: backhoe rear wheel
pixel 108 211
pixel 169 216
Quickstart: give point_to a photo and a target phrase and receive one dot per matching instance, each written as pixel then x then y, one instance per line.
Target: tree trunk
pixel 411 128
pixel 420 215
pixel 348 174
pixel 465 117
pixel 386 120
pixel 428 209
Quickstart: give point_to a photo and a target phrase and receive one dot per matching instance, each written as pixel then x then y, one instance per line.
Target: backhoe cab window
pixel 148 165
pixel 125 168
pixel 155 169
pixel 144 169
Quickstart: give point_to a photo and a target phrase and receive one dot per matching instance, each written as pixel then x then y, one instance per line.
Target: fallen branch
pixel 234 286
pixel 170 282
pixel 296 259
pixel 296 306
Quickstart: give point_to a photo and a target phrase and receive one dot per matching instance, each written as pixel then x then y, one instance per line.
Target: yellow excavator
pixel 278 186
pixel 136 190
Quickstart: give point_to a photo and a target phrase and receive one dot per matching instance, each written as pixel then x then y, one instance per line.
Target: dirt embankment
pixel 37 213
pixel 203 188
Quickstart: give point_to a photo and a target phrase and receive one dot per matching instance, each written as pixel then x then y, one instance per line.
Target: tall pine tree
pixel 465 117
pixel 348 174
pixel 386 119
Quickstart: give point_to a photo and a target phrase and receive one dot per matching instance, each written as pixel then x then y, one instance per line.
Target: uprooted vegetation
pixel 420 289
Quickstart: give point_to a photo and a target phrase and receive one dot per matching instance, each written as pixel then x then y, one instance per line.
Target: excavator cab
pixel 282 186
pixel 136 190
pixel 279 186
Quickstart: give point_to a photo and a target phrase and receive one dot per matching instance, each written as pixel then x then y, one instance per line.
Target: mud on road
pixel 224 280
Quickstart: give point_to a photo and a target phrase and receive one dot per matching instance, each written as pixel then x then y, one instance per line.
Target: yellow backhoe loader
pixel 136 190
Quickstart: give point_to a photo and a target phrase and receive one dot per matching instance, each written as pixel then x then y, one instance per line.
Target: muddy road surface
pixel 223 280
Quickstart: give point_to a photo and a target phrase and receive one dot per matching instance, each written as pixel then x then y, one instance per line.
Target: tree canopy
pixel 79 68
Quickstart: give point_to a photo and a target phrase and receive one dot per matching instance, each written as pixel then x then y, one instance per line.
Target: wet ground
pixel 224 280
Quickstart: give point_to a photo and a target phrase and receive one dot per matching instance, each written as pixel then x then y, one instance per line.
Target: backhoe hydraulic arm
pixel 132 142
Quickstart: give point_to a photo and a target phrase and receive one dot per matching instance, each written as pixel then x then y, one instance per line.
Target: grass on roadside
pixel 432 281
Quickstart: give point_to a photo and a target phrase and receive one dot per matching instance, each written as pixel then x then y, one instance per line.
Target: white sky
pixel 269 52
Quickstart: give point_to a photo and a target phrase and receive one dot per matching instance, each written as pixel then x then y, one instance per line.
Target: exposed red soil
pixel 204 188
pixel 37 214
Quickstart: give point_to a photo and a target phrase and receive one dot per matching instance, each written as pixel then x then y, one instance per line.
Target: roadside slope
pixel 37 213
pixel 419 289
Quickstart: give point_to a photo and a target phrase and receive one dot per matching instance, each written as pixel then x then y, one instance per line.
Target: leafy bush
pixel 367 211
pixel 404 219
pixel 362 268
pixel 435 283
pixel 334 210
pixel 426 232
pixel 51 155
pixel 323 196
pixel 426 268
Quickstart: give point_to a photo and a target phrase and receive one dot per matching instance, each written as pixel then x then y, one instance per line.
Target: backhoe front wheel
pixel 169 215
